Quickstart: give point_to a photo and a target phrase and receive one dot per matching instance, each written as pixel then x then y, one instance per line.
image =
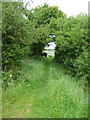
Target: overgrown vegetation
pixel 44 81
pixel 36 30
pixel 13 33
pixel 73 45
pixel 44 91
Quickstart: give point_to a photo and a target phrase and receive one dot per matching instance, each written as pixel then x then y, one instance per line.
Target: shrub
pixel 72 46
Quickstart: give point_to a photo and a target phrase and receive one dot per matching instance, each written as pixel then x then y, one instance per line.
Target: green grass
pixel 44 91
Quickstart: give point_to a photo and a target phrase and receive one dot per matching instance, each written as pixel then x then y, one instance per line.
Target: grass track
pixel 44 91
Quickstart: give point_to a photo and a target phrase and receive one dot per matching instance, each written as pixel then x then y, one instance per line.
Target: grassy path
pixel 44 91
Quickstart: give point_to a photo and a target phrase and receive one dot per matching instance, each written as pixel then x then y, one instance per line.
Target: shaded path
pixel 46 92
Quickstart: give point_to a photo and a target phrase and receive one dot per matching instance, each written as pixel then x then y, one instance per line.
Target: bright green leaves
pixel 72 45
pixel 42 26
pixel 44 14
pixel 14 25
pixel 35 27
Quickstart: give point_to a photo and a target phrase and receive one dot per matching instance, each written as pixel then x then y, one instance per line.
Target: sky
pixel 70 7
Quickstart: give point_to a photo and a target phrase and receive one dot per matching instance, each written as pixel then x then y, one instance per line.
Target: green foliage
pixel 72 45
pixel 39 40
pixel 81 65
pixel 25 32
pixel 44 91
pixel 30 27
pixel 36 49
pixel 40 18
pixel 52 93
pixel 43 14
pixel 14 25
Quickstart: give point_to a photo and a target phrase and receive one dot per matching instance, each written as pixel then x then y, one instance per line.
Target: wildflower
pixel 10 75
pixel 28 110
pixel 29 104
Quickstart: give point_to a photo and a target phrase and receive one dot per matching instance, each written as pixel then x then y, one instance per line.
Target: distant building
pixel 49 49
pixel 51 46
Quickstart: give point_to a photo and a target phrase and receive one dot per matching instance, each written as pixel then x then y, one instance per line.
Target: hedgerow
pixel 72 46
pixel 25 33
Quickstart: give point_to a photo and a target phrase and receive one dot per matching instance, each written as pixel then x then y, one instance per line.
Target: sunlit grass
pixel 44 91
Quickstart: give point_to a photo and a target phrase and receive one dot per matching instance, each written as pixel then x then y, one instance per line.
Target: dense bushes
pixel 26 32
pixel 24 28
pixel 41 17
pixel 14 25
pixel 81 65
pixel 72 46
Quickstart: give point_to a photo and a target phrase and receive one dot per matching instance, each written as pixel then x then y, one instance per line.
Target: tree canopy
pixel 25 32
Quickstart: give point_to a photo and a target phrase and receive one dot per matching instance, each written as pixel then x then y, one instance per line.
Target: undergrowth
pixel 43 90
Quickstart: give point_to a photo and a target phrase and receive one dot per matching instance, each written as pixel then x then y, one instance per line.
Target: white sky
pixel 70 7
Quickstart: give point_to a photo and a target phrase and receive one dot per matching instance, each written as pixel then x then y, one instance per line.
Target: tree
pixel 13 32
pixel 41 17
pixel 72 45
